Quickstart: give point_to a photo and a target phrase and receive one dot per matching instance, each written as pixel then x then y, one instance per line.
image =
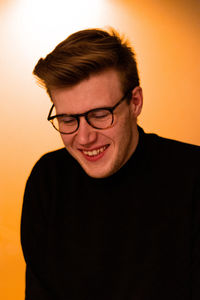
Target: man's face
pixel 101 153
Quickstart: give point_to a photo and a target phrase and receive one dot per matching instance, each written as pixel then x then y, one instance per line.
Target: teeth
pixel 94 152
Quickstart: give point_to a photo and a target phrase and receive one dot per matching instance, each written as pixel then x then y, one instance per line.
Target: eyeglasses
pixel 98 118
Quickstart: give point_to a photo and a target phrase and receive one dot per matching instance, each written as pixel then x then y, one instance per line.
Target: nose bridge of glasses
pixel 83 120
pixel 86 117
pixel 85 133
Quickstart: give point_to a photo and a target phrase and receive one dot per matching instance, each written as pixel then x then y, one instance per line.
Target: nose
pixel 85 135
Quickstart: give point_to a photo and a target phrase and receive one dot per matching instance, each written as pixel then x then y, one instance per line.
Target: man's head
pixel 90 70
pixel 86 53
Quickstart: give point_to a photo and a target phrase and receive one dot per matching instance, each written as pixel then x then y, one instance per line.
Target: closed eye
pixel 67 120
pixel 101 114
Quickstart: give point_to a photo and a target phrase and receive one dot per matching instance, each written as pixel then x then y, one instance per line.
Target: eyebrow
pixel 90 110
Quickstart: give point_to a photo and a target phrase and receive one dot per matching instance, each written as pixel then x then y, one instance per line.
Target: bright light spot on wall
pixel 40 24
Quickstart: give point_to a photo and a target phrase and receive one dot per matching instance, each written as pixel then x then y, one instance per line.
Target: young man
pixel 114 214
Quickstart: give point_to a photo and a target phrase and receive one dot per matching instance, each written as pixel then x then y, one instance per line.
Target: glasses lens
pixel 65 124
pixel 100 118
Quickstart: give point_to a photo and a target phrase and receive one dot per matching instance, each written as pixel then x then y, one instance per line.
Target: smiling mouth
pixel 95 152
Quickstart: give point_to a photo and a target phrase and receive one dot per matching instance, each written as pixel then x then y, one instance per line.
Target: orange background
pixel 165 35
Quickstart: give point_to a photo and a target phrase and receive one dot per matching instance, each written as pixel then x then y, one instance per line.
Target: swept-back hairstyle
pixel 85 53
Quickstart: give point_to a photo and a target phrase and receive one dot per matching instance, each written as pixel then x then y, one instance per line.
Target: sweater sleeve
pixel 34 238
pixel 34 287
pixel 196 244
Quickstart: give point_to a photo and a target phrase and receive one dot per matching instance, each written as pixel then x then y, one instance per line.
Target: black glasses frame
pixel 77 116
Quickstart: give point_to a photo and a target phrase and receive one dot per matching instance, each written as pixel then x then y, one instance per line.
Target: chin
pixel 96 173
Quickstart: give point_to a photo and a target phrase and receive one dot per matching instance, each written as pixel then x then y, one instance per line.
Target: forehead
pixel 99 90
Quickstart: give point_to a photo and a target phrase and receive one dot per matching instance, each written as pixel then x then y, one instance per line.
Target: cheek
pixel 121 130
pixel 67 140
pixel 117 133
pixel 123 135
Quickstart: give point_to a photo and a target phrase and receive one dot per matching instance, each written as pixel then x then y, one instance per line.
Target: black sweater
pixel 132 236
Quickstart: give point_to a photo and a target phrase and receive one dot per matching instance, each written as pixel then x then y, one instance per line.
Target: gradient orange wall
pixel 165 35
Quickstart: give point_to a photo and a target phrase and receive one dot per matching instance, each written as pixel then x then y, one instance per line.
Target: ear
pixel 136 101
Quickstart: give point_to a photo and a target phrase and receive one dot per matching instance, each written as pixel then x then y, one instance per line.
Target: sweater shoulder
pixel 172 153
pixel 51 157
pixel 166 144
pixel 51 163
